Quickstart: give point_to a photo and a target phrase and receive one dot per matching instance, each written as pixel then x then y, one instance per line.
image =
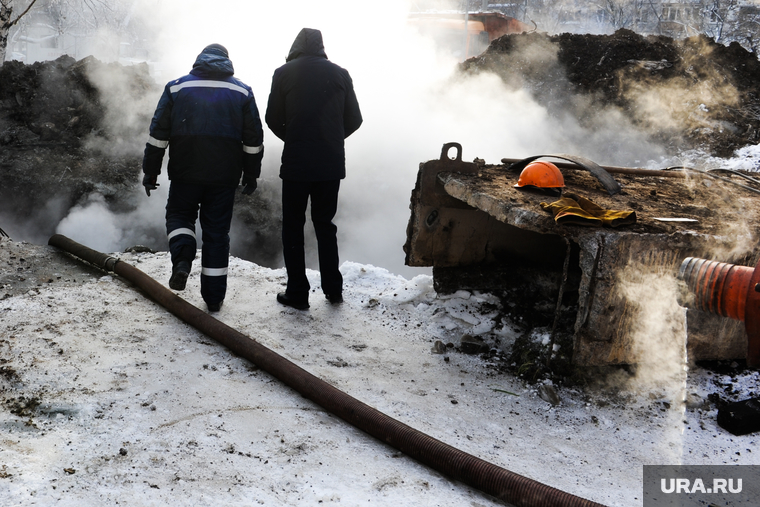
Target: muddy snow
pixel 109 400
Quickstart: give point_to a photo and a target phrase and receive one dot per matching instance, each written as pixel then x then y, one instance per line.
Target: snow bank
pixel 113 400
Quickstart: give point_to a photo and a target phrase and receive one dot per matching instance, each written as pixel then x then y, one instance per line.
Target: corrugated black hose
pixel 475 472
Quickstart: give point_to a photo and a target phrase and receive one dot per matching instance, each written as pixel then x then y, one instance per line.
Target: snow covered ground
pixel 110 400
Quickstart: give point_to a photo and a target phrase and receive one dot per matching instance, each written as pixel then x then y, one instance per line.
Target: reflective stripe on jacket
pixel 210 122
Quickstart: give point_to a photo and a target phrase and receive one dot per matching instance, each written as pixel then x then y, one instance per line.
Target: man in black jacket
pixel 209 121
pixel 313 108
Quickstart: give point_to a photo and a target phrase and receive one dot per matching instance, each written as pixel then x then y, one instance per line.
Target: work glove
pixel 150 183
pixel 249 185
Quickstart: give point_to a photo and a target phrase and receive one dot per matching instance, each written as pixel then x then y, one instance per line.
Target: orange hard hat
pixel 541 174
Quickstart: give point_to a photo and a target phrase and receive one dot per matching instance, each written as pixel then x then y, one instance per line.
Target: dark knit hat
pixel 216 49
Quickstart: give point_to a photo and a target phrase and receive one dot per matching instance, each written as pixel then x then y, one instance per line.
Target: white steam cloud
pixel 412 96
pixel 657 338
pixel 657 327
pixel 93 224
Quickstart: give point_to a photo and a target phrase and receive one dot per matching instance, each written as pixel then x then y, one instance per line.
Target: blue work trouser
pixel 215 204
pixel 324 205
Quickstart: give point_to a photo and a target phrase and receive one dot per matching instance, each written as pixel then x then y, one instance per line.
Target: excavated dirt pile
pixel 58 140
pixel 690 94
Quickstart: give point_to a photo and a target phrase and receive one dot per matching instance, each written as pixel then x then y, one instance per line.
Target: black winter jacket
pixel 210 122
pixel 313 108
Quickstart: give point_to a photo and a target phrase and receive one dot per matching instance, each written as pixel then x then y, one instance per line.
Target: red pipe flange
pixel 729 291
pixel 752 319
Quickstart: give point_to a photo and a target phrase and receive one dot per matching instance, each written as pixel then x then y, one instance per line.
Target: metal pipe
pixel 729 291
pixel 611 169
pixel 671 172
pixel 459 465
pixel 709 174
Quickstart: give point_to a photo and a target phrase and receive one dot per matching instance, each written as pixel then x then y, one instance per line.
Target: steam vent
pixel 616 283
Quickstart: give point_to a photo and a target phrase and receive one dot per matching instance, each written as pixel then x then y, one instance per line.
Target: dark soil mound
pixel 57 100
pixel 686 94
pixel 56 141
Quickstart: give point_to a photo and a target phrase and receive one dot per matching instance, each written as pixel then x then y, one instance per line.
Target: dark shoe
pixel 335 299
pixel 214 307
pixel 180 272
pixel 298 304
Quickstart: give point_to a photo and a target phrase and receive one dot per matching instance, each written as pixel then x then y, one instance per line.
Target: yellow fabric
pixel 574 209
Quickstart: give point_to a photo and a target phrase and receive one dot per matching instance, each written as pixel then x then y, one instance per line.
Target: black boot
pixel 180 272
pixel 298 304
pixel 214 307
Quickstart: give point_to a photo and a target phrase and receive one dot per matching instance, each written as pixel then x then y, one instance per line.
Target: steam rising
pixel 127 121
pixel 100 227
pixel 413 101
pixel 661 105
pixel 658 325
pixel 657 337
pixel 93 224
pixel 412 97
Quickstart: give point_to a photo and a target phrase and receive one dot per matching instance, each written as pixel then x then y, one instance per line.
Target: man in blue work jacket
pixel 209 121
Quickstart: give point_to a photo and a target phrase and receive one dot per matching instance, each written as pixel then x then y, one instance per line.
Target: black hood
pixel 212 62
pixel 308 42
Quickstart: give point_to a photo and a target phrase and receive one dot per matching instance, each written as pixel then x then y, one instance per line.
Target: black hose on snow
pixel 473 471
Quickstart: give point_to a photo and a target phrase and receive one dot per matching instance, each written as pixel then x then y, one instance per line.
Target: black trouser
pixel 324 205
pixel 215 204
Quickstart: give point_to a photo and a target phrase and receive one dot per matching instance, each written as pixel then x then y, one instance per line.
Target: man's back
pixel 313 108
pixel 210 122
